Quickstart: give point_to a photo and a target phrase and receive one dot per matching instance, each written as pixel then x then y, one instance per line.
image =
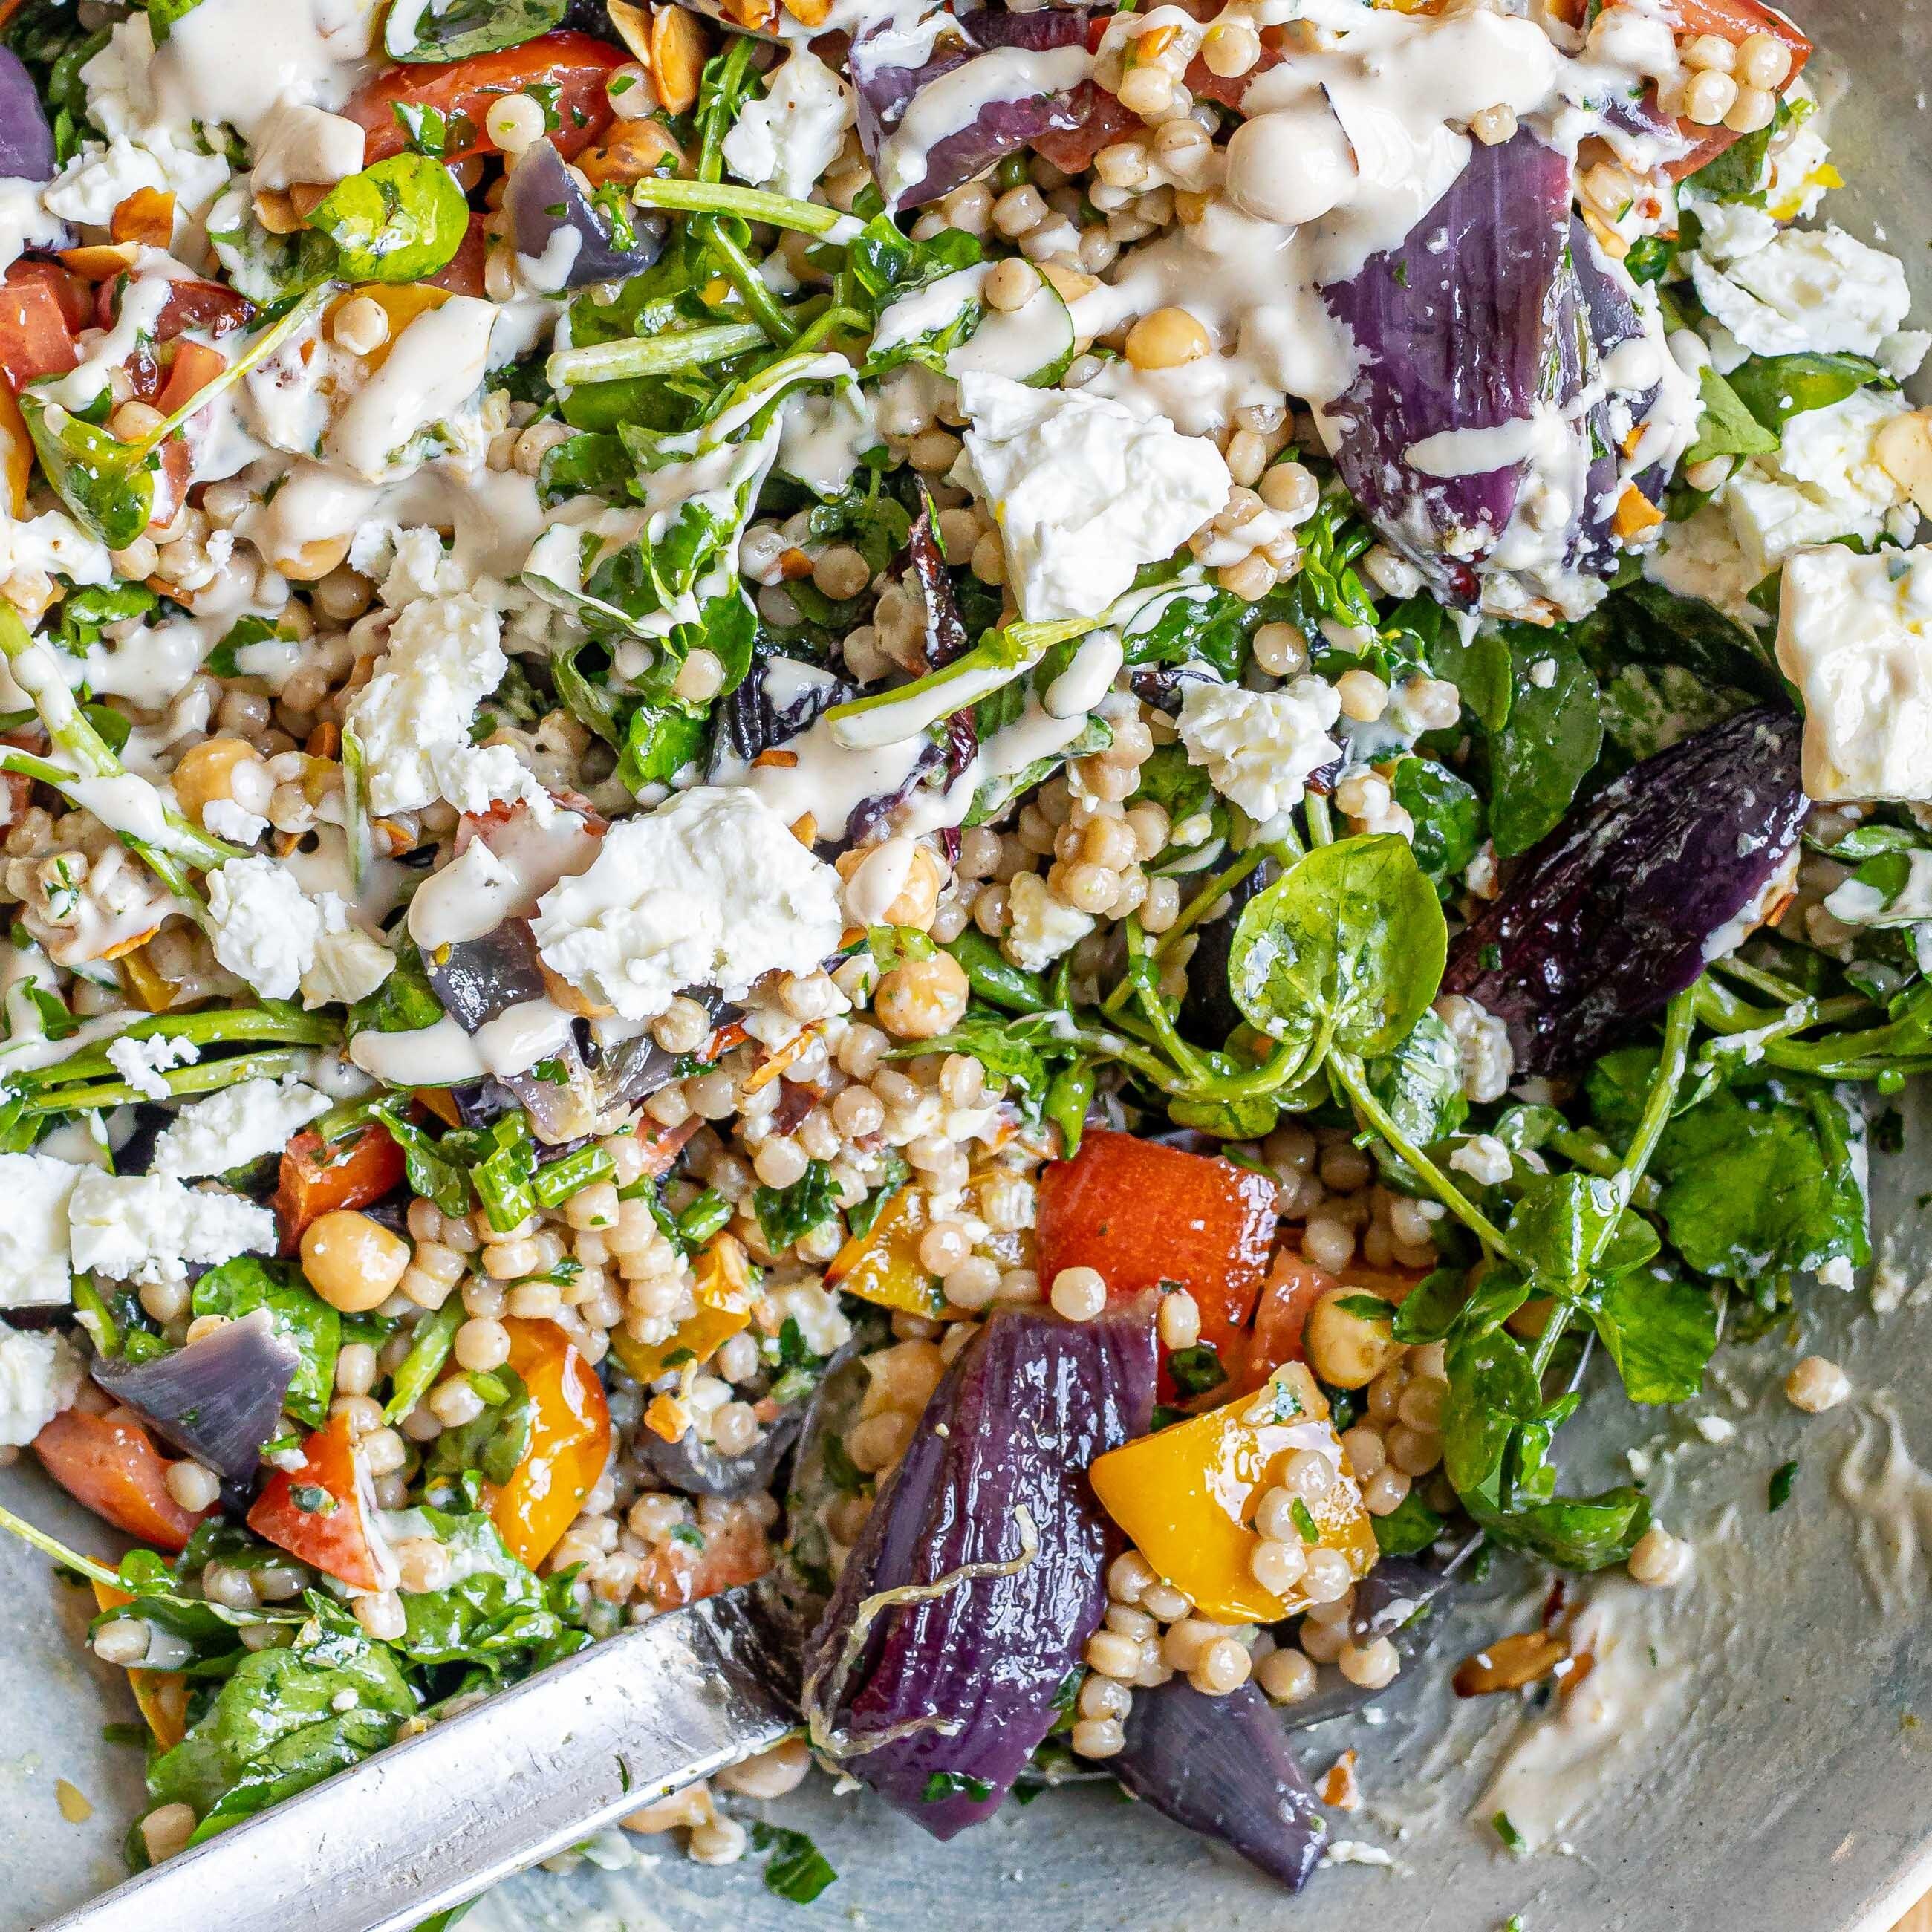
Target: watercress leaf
pixel 785 1214
pixel 1560 1222
pixel 398 221
pixel 1776 387
pixel 1726 427
pixel 108 484
pixel 162 15
pixel 434 1172
pixel 1428 1311
pixel 1479 666
pixel 295 1312
pixel 1448 814
pixel 404 1002
pixel 1580 1533
pixel 1015 1051
pixel 1659 1329
pixel 659 741
pixel 1492 1391
pixel 496 1613
pixel 1553 736
pixel 455 30
pixel 1409 1529
pixel 1351 939
pixel 1644 623
pixel 1420 1086
pixel 275 1723
pixel 796 1870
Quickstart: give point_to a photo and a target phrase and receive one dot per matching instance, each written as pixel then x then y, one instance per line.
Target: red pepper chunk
pixel 1141 1214
pixel 577 65
pixel 324 1512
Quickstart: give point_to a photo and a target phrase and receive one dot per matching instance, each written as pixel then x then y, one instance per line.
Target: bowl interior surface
pixel 1756 1754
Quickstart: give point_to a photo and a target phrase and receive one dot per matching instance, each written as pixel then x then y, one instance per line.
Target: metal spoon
pixel 428 1823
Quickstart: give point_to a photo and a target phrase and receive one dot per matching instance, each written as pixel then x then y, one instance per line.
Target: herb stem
pixel 751 204
pixel 651 355
pixel 221 1026
pixel 742 274
pixel 207 1078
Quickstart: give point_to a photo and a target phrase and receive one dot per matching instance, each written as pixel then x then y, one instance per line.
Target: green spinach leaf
pixel 453 30
pixel 295 1312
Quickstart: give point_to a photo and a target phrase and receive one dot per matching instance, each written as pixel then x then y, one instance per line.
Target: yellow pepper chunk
pixel 724 1294
pixel 1187 1495
pixel 161 1695
pixel 882 1265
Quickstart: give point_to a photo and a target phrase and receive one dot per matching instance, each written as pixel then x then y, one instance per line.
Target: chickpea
pixel 922 998
pixel 353 1262
pixel 207 772
pixel 1166 339
pixel 1343 1349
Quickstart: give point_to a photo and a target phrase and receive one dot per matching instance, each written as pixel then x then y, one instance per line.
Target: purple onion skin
pixel 26 141
pixel 749 723
pixel 1024 1409
pixel 217 1399
pixel 540 183
pixel 885 93
pixel 1608 918
pixel 1386 1603
pixel 1222 1767
pixel 1453 336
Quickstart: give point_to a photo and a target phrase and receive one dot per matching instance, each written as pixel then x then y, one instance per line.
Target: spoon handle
pixel 433 1820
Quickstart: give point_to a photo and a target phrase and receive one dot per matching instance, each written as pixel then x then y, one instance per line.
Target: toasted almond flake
pixel 678 48
pixel 1510 1663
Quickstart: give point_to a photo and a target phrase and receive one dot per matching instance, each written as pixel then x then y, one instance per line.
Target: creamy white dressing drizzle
pixel 1889 1493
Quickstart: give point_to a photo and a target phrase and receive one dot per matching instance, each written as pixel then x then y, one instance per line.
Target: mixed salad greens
pixel 929 808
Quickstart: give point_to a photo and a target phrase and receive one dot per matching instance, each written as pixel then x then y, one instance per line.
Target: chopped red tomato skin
pixel 316 1513
pixel 36 338
pixel 1141 1214
pixel 316 1178
pixel 113 1466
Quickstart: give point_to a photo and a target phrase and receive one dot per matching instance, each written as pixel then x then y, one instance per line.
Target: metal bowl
pixel 1765 1734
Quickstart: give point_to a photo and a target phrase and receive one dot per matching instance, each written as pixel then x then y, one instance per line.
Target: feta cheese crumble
pixel 413 719
pixel 1041 927
pixel 264 928
pixel 148 1227
pixel 33 1270
pixel 1260 747
pixel 1806 290
pixel 1483 1040
pixel 787 140
pixel 1084 491
pixel 1854 636
pixel 141 1063
pixel 40 1375
pixel 238 1125
pixel 709 889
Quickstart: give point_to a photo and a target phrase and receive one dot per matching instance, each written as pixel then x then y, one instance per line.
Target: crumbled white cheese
pixel 787 140
pixel 1715 1429
pixel 1701 558
pixel 298 145
pixel 34 1269
pixel 235 823
pixel 25 222
pixel 1826 481
pixel 1041 927
pixel 1806 290
pixel 264 926
pixel 40 1375
pixel 412 720
pixel 349 964
pixel 821 1325
pixel 709 889
pixel 102 176
pixel 141 1063
pixel 1484 1159
pixel 238 1125
pixel 148 1227
pixel 1260 747
pixel 1084 491
pixel 1854 636
pixel 53 543
pixel 1483 1041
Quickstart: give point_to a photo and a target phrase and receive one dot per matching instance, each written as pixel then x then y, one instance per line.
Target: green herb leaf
pixel 1726 427
pixel 797 1869
pixel 398 221
pixel 1553 736
pixel 1197 1369
pixel 455 30
pixel 1778 1490
pixel 786 1214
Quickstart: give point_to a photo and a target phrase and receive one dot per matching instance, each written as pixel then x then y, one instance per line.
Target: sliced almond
pixel 305 197
pixel 275 212
pixel 1509 1663
pixel 636 150
pixel 809 12
pixel 146 218
pixel 755 15
pixel 634 28
pixel 101 261
pixel 679 45
pixel 1339 1791
pixel 574 999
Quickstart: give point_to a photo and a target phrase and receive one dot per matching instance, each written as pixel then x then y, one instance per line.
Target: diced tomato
pixel 661 1144
pixel 570 1441
pixel 195 366
pixel 1103 121
pixel 70 290
pixel 111 1465
pixel 462 274
pixel 1294 1287
pixel 171 482
pixel 206 305
pixel 576 65
pixel 1141 1214
pixel 323 1513
pixel 37 338
pixel 317 1177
